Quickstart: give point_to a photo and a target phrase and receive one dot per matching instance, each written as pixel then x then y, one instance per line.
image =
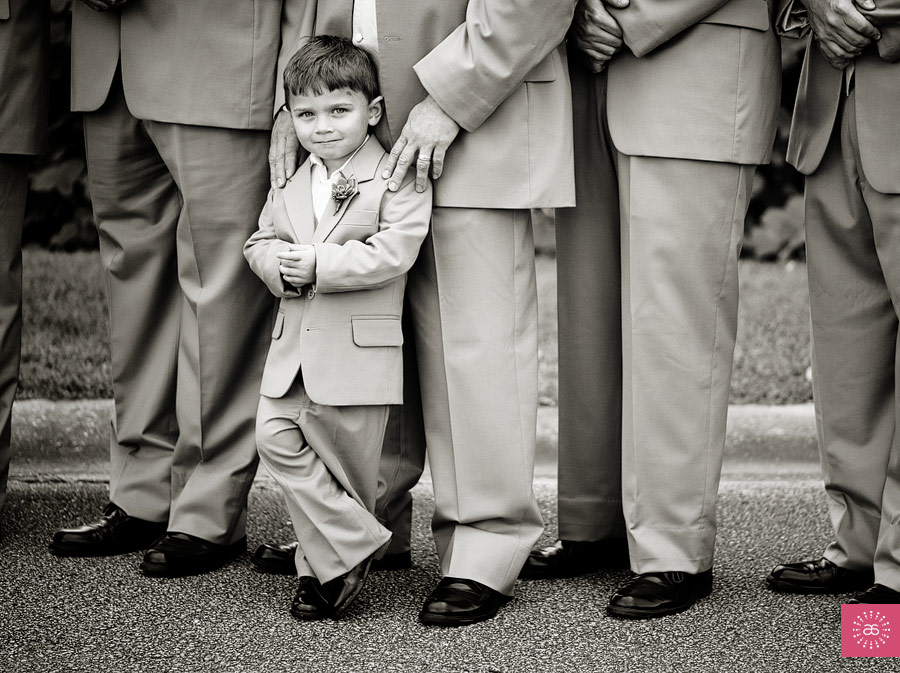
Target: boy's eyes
pixel 306 114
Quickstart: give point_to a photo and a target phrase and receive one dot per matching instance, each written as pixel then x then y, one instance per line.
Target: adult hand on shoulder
pixel 841 31
pixel 103 5
pixel 596 33
pixel 283 149
pixel 428 133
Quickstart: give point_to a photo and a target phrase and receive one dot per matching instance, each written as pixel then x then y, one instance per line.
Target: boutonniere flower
pixel 342 189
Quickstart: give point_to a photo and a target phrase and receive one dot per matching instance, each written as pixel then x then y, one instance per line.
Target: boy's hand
pixel 298 265
pixel 283 150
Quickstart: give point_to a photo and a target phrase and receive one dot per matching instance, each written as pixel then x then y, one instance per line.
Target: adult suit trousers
pixel 474 303
pixel 188 319
pixel 674 239
pixel 13 186
pixel 853 254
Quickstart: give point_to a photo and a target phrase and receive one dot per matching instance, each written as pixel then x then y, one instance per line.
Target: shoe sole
pixel 273 568
pixel 308 616
pixel 164 570
pixel 787 588
pixel 637 613
pixel 444 620
pixel 74 552
pixel 431 619
pixel 565 575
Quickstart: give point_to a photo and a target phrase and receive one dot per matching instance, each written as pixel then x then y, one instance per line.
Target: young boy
pixel 335 245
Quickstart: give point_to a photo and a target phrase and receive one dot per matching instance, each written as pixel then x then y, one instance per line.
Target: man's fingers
pixel 394 157
pixel 437 163
pixel 860 25
pixel 601 21
pixel 835 54
pixel 404 161
pixel 618 4
pixel 423 163
pixel 283 149
pixel 289 164
pixel 276 162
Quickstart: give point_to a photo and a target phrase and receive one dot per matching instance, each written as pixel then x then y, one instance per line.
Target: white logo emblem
pixel 871 630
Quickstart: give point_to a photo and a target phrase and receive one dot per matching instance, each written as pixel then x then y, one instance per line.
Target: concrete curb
pixel 62 439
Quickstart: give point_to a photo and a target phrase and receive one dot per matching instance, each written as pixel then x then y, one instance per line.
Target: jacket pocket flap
pixel 545 71
pixel 279 325
pixel 359 218
pixel 742 13
pixel 377 331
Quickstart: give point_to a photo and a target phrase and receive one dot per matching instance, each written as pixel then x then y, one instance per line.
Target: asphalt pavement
pixel 75 614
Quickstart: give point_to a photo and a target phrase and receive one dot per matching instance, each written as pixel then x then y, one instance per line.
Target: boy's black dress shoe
pixel 278 559
pixel 114 533
pixel 877 593
pixel 314 600
pixel 567 558
pixel 348 586
pixel 457 602
pixel 180 554
pixel 658 594
pixel 310 600
pixel 819 576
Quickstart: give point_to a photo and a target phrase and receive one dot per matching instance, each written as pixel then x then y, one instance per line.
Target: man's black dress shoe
pixel 570 559
pixel 819 576
pixel 877 593
pixel 457 602
pixel 658 594
pixel 278 559
pixel 114 533
pixel 275 559
pixel 180 554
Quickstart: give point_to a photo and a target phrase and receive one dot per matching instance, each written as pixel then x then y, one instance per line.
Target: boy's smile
pixel 333 124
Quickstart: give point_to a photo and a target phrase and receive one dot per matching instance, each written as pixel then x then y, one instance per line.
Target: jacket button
pixel 310 293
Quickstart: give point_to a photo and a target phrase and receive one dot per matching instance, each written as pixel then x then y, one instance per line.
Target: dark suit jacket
pixel 24 61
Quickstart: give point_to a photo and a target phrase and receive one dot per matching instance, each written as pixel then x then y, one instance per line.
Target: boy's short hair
pixel 326 63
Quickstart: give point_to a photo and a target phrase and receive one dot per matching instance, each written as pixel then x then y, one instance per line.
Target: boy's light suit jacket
pixel 341 334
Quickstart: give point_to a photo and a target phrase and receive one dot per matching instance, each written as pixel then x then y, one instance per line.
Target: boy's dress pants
pixel 326 460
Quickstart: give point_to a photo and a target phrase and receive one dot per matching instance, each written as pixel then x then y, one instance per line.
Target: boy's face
pixel 332 125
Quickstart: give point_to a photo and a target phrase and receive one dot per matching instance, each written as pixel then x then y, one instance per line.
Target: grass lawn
pixel 65 352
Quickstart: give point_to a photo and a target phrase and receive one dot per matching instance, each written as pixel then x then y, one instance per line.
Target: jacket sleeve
pixel 647 24
pixel 365 265
pixel 475 68
pixel 791 19
pixel 260 250
pixel 298 20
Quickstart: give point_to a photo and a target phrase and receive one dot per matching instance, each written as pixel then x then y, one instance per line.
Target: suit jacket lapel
pixel 298 202
pixel 362 166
